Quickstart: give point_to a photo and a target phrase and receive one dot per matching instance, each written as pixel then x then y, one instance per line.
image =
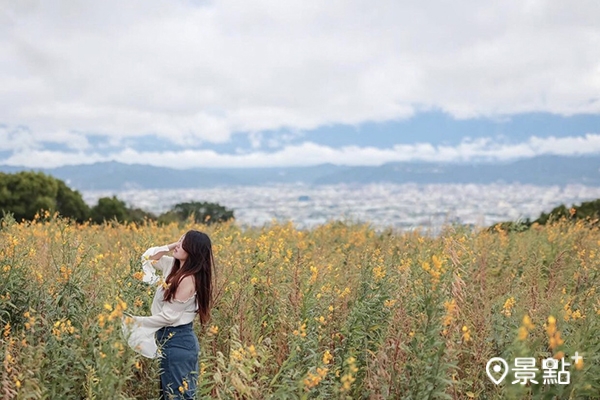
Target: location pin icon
pixel 496 369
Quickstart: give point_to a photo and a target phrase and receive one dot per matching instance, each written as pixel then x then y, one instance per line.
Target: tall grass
pixel 340 311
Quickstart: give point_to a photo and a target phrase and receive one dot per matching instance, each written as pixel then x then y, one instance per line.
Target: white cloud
pixel 17 139
pixel 191 71
pixel 309 153
pixel 23 139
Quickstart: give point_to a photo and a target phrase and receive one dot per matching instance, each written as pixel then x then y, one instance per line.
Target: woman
pixel 184 290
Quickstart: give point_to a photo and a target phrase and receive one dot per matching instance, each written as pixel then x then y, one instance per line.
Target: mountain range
pixel 541 170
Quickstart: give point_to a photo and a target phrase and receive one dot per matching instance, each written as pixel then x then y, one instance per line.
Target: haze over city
pixel 403 207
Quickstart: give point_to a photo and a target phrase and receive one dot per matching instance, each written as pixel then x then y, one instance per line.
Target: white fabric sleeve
pixel 139 338
pixel 170 314
pixel 150 266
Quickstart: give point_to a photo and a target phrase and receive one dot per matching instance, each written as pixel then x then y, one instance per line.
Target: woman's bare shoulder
pixel 186 288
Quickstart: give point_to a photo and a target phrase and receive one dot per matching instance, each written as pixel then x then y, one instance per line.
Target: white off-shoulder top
pixel 139 331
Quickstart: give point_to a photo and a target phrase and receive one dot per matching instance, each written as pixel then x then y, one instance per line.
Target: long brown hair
pixel 199 264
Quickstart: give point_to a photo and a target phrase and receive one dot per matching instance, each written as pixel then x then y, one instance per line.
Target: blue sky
pixel 428 127
pixel 269 83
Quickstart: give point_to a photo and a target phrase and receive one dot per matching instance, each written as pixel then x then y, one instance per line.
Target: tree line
pixel 587 210
pixel 25 194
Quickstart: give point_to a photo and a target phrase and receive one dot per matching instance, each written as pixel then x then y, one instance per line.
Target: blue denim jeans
pixel 178 351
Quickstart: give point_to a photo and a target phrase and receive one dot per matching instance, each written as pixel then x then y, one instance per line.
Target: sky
pixel 230 83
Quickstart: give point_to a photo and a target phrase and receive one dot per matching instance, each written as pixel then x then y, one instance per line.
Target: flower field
pixel 342 311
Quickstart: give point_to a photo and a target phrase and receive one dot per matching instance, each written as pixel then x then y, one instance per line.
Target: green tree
pixel 70 203
pixel 556 213
pixel 26 193
pixel 588 210
pixel 109 208
pixel 203 212
pixel 139 215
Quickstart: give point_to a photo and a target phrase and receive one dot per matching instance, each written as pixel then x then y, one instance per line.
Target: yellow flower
pixel 378 273
pixel 527 323
pixel 347 381
pixel 213 330
pixel 237 355
pixel 508 306
pixel 327 357
pixel 138 275
pixel 437 262
pixel 300 332
pixel 466 333
pixel 450 307
pixel 252 350
pixel 577 315
pixel 314 274
pixel 313 380
pixel 554 339
pixel 522 333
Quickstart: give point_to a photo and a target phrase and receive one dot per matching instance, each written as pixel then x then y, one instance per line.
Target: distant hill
pixel 543 170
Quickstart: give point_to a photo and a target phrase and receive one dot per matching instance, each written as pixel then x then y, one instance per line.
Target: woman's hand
pixel 171 247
